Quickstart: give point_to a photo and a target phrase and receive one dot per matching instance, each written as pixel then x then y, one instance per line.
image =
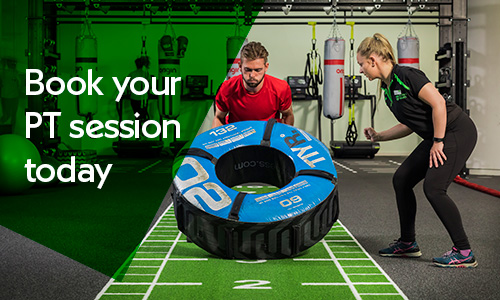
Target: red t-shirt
pixel 274 96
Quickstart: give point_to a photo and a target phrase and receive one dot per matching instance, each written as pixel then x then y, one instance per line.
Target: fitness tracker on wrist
pixel 439 140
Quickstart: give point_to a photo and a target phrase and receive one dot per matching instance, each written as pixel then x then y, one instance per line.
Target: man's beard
pixel 253 84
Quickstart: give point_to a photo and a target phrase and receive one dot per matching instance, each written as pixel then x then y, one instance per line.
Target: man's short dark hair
pixel 253 51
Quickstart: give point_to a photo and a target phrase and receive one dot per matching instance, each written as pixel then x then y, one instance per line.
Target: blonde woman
pixel 449 136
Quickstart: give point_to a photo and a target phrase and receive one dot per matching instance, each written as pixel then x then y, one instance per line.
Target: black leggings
pixel 138 107
pixel 460 139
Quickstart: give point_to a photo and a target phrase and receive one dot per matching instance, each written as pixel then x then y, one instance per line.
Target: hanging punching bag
pixel 408 47
pixel 333 87
pixel 86 59
pixel 233 49
pixel 169 66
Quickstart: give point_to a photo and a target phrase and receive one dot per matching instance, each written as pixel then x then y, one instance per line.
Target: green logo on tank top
pixel 399 95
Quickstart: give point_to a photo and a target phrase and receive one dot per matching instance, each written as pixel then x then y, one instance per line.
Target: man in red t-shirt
pixel 253 95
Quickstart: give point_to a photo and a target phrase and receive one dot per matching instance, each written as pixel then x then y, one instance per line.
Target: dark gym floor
pixel 368 210
pixel 29 270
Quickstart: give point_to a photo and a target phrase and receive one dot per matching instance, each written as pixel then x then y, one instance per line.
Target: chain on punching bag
pixel 408 46
pixel 145 59
pixel 333 87
pixel 170 50
pixel 233 49
pixel 85 60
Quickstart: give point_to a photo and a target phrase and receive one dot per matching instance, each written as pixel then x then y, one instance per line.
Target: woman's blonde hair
pixel 377 44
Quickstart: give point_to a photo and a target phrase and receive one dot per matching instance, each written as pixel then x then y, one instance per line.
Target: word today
pixel 86 173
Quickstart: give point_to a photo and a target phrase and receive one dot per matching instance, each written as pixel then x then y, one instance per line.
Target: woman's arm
pixel 432 97
pixel 393 133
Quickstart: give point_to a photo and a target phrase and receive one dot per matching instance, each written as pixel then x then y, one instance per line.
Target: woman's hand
pixel 437 155
pixel 371 134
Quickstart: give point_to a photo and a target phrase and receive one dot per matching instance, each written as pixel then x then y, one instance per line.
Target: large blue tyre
pixel 233 224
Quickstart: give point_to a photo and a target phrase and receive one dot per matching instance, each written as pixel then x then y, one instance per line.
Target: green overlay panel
pixel 102 227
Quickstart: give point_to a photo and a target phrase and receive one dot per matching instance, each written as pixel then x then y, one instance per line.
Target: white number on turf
pixel 253 284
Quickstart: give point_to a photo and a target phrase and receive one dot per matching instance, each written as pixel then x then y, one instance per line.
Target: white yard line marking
pixel 123 294
pixel 179 283
pixel 376 264
pixel 345 167
pixel 160 241
pixel 339 267
pixel 190 259
pixel 111 281
pixel 339 241
pixel 347 284
pixel 394 162
pixel 312 259
pixel 132 283
pixel 150 166
pixel 379 294
pixel 157 277
pixel 159 283
pixel 373 283
pixel 325 283
pixel 365 274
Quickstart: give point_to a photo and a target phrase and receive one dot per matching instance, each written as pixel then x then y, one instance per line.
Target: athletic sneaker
pixel 454 259
pixel 401 249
